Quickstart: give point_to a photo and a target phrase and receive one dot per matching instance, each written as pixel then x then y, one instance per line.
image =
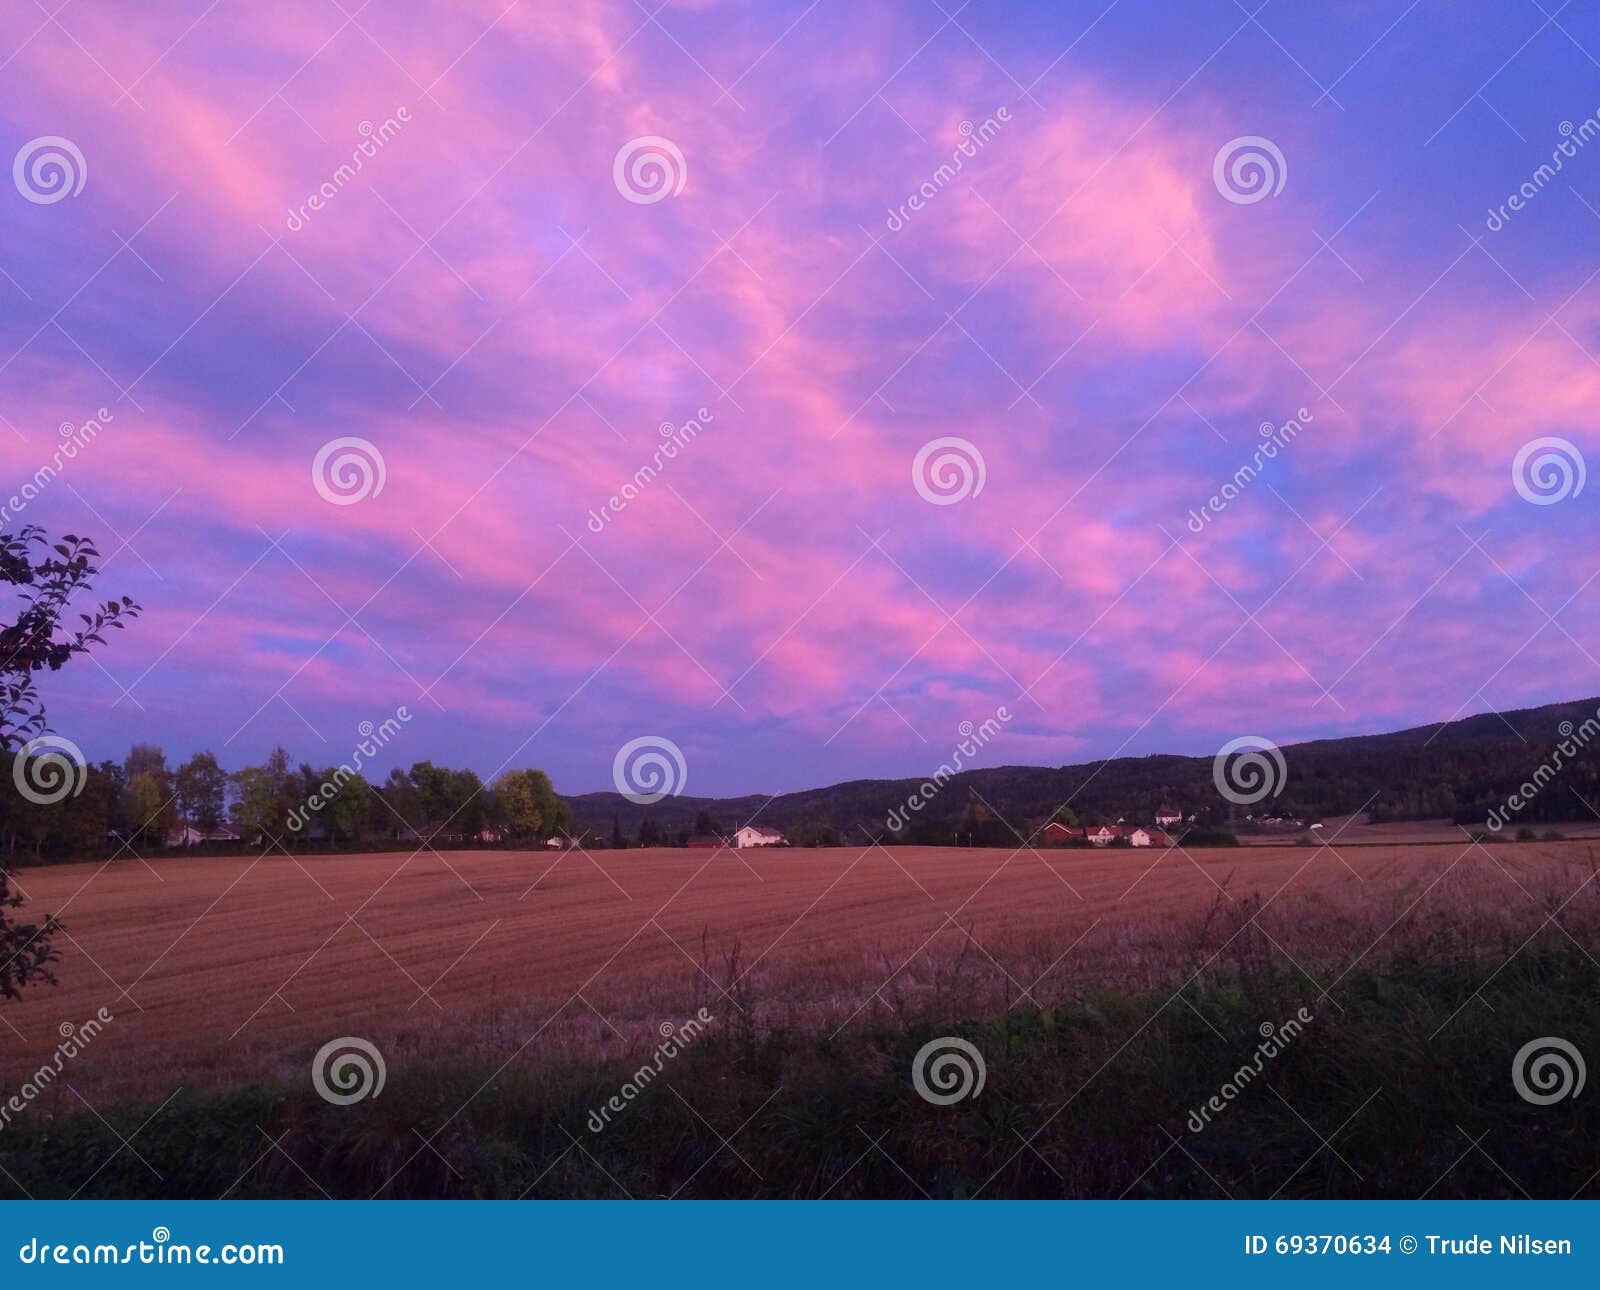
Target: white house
pixel 1168 815
pixel 1149 838
pixel 185 834
pixel 754 836
pixel 1103 835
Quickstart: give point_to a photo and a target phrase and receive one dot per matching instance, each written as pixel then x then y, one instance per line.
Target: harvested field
pixel 221 971
pixel 1354 831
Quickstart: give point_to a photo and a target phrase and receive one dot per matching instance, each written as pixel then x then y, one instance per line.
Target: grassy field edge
pixel 1399 1085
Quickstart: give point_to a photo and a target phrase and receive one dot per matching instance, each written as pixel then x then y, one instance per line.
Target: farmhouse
pixel 186 834
pixel 754 836
pixel 1055 834
pixel 1168 815
pixel 1103 835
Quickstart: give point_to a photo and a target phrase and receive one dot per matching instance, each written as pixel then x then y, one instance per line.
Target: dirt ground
pixel 1357 831
pixel 235 969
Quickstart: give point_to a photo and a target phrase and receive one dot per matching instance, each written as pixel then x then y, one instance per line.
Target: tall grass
pixel 1399 1086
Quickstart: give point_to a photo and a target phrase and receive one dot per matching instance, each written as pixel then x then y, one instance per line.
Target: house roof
pixel 761 832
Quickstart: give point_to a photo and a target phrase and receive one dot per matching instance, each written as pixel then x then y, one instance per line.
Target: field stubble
pixel 227 971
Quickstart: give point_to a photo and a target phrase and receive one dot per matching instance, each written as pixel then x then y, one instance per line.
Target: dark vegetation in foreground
pixel 1400 1086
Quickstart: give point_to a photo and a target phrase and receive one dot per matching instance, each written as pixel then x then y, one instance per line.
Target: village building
pixel 185 834
pixel 1168 815
pixel 1055 834
pixel 752 835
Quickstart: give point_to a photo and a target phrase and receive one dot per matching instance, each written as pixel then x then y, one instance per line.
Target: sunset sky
pixel 1083 303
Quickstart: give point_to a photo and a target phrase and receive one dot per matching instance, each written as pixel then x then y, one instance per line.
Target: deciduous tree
pixel 26 951
pixel 202 791
pixel 46 575
pixel 526 804
pixel 149 810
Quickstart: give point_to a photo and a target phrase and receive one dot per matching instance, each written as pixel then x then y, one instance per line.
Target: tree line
pixel 142 804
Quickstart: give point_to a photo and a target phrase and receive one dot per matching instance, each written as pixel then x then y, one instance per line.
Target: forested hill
pixel 1455 770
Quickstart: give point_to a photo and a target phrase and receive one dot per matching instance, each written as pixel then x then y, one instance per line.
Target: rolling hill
pixel 1455 769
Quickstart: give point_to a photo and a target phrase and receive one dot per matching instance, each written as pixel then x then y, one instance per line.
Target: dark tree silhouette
pixel 46 576
pixel 25 949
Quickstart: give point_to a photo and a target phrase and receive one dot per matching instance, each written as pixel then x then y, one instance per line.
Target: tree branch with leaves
pixel 35 636
pixel 46 576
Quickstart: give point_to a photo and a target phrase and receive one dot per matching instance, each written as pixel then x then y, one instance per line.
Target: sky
pixel 944 437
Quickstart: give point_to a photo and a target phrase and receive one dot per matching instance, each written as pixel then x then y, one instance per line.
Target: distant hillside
pixel 1455 770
